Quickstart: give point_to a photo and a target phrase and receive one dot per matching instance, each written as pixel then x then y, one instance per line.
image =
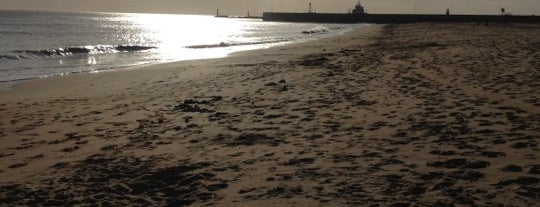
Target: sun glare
pixel 174 34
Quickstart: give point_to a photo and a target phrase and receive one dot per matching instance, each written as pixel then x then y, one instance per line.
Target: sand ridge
pixel 406 115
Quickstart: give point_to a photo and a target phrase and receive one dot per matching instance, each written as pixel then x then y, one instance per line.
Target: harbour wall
pixel 392 18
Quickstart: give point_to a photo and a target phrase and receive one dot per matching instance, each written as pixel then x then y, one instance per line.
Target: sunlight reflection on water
pixel 172 34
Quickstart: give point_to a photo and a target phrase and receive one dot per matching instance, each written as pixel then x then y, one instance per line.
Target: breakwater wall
pixel 392 18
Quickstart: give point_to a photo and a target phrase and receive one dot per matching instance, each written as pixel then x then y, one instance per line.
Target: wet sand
pixel 397 115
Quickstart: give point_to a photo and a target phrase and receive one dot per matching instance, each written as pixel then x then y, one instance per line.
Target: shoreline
pixel 396 115
pixel 10 85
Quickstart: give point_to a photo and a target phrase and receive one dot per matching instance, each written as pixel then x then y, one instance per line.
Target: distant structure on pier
pixel 237 17
pixel 219 15
pixel 359 9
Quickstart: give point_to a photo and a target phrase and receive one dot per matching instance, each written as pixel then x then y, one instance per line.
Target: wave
pixel 316 30
pixel 223 44
pixel 12 57
pixel 98 49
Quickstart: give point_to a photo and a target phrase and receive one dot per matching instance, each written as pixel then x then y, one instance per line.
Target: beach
pixel 421 114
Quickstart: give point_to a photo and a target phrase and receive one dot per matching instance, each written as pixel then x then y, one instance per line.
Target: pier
pixel 359 15
pixel 393 18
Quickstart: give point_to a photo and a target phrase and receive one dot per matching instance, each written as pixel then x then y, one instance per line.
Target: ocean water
pixel 43 44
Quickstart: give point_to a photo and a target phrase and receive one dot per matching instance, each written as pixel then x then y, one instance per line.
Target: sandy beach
pixel 394 115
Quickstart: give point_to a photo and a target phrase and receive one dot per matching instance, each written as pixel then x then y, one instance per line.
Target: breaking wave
pixel 223 44
pixel 99 49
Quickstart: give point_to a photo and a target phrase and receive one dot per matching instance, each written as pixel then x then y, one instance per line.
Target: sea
pixel 43 44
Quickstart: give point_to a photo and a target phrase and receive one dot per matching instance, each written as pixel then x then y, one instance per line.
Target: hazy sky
pixel 238 7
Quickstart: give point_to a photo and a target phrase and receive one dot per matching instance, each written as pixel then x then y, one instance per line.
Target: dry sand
pixel 398 115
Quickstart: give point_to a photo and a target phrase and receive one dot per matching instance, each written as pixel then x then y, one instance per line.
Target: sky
pixel 256 7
